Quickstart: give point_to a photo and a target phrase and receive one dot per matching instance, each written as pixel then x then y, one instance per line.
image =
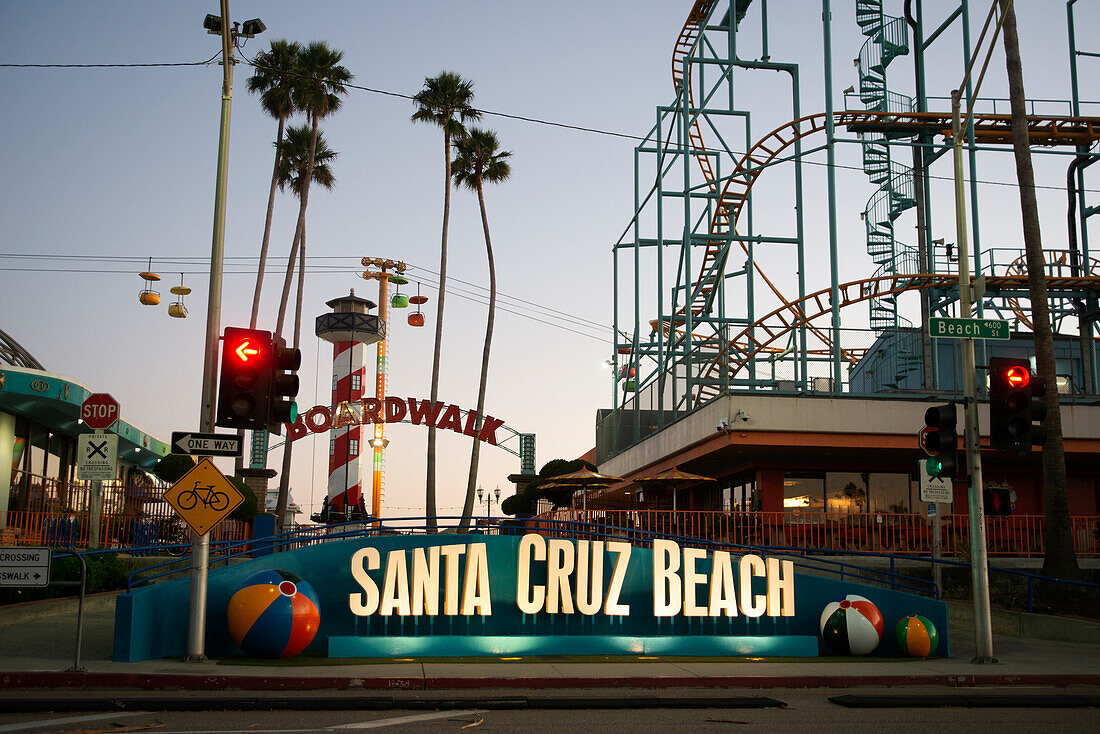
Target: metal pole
pixel 979 570
pixel 95 509
pixel 830 170
pixel 200 548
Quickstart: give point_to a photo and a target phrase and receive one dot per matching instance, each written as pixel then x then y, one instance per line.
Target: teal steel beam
pixel 834 265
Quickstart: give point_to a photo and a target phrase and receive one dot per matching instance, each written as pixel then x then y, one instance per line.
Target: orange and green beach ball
pixel 916 636
pixel 275 614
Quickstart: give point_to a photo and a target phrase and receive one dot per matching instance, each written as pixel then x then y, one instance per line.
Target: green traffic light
pixel 293 412
pixel 933 466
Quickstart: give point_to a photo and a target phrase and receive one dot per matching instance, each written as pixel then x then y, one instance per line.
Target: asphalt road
pixel 804 710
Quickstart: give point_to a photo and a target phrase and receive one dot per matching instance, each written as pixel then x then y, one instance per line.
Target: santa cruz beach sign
pixel 525 594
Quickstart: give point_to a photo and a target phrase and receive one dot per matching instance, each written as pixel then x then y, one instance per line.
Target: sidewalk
pixel 37 652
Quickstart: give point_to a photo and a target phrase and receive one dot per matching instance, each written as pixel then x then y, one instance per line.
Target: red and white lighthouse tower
pixel 350 328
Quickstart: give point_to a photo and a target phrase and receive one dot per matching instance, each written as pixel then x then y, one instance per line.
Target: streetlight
pixel 200 549
pixel 488 501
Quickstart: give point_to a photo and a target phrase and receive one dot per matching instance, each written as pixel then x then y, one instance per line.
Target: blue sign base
pixel 340 646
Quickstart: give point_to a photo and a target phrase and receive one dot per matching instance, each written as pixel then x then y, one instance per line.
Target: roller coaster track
pixel 734 194
pixel 856 291
pixel 1055 260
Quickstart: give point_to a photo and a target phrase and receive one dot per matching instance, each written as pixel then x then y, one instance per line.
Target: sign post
pixel 99 412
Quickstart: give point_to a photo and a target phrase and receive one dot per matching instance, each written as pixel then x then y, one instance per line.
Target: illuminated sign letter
pixel 532 547
pixel 423 412
pixel 666 583
pixel 780 588
pixel 692 578
pixel 489 430
pixel 372 407
pixel 395 586
pixel 611 604
pixel 559 564
pixel 450 555
pixel 345 415
pixel 589 576
pixel 365 603
pixel 475 585
pixel 395 410
pixel 723 596
pixel 425 581
pixel 751 605
pixel 450 419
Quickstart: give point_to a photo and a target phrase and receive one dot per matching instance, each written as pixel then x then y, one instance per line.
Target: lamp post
pixel 200 549
pixel 488 501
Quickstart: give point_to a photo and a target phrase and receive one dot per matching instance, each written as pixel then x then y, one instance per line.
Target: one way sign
pixel 207 444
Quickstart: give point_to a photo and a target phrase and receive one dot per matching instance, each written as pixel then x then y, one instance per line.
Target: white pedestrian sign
pixel 933 489
pixel 25 566
pixel 96 456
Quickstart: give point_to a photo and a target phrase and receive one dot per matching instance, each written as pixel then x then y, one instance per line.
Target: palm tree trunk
pixel 429 479
pixel 267 226
pixel 298 230
pixel 284 478
pixel 475 452
pixel 1059 560
pixel 297 248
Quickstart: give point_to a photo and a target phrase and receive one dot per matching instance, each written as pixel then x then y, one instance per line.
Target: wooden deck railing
pixel 1015 535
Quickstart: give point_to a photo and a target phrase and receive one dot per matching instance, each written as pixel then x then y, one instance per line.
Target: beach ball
pixel 851 626
pixel 274 614
pixel 916 636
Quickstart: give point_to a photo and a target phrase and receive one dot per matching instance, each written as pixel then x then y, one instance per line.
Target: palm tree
pixel 479 160
pixel 274 81
pixel 321 81
pixel 444 101
pixel 1059 560
pixel 293 154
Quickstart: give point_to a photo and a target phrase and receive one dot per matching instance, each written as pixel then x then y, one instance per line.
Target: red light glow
pixel 1017 376
pixel 244 351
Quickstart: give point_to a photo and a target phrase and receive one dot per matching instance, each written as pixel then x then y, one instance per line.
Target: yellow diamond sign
pixel 203 496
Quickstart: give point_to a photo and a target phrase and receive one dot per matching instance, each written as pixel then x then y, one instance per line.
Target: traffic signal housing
pixel 244 385
pixel 1014 405
pixel 942 441
pixel 284 385
pixel 997 501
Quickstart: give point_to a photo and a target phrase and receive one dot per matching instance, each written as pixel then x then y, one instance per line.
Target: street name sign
pixel 99 411
pixel 968 328
pixel 97 456
pixel 203 497
pixel 25 566
pixel 207 444
pixel 933 489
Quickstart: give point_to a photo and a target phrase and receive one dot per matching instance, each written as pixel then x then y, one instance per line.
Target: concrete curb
pixel 182 682
pixel 29 611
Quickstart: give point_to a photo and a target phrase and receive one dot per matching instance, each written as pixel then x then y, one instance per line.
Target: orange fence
pixel 1016 535
pixel 46 511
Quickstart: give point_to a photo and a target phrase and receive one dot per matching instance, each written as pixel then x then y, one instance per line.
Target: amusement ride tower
pixel 350 328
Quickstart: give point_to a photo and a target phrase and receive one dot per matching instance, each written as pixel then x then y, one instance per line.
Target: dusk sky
pixel 104 168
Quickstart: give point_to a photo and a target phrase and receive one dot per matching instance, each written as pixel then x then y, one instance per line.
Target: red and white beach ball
pixel 851 626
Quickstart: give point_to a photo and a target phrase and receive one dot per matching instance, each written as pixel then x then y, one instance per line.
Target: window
pixel 803 493
pixel 356 382
pixel 334 383
pixel 353 447
pixel 890 493
pixel 332 447
pixel 846 492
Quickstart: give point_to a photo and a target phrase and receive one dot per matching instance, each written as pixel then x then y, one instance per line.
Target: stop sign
pixel 99 411
pixel 922 437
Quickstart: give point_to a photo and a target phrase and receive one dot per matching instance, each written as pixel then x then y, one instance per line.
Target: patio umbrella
pixel 672 478
pixel 582 479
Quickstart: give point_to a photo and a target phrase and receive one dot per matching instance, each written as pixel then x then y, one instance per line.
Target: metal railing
pixel 880 532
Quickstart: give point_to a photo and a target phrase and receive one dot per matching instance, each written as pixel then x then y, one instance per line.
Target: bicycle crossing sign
pixel 203 497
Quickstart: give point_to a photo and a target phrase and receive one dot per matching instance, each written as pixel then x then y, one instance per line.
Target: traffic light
pixel 1013 406
pixel 997 501
pixel 284 385
pixel 942 440
pixel 244 387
